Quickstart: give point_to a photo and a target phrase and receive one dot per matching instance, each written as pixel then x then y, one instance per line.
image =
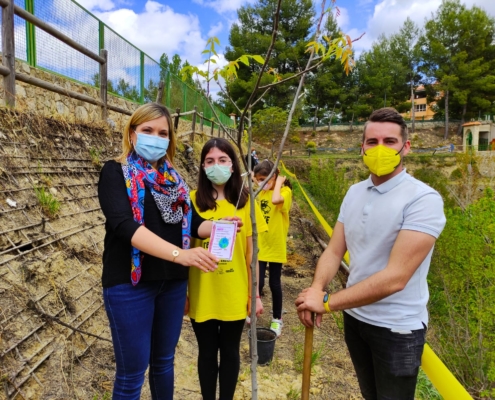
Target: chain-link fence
pixel 132 74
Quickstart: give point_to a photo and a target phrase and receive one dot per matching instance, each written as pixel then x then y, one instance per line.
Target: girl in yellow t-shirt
pixel 275 200
pixel 219 301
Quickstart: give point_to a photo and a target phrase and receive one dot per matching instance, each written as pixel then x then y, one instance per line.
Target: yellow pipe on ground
pixel 440 376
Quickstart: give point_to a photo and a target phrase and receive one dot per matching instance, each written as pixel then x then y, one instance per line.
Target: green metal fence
pixel 132 74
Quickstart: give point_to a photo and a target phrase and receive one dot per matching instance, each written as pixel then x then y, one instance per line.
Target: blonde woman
pixel 149 224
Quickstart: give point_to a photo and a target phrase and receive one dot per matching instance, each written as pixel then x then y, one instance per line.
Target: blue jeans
pixel 145 321
pixel 386 363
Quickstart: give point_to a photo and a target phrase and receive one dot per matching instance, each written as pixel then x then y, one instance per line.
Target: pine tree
pixel 458 56
pixel 252 35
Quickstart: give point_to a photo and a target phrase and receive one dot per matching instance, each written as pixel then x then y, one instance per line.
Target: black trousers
pixel 214 335
pixel 275 284
pixel 386 363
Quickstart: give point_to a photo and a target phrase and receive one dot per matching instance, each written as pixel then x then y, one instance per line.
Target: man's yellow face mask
pixel 382 160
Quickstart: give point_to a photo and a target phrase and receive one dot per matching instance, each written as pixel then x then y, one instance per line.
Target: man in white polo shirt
pixel 389 224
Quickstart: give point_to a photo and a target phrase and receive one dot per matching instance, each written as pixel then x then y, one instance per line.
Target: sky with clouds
pixel 183 26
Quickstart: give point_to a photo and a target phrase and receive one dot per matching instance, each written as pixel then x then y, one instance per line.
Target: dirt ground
pixel 332 374
pixel 54 335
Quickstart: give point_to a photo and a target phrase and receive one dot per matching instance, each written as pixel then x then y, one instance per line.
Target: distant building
pixel 423 110
pixel 478 135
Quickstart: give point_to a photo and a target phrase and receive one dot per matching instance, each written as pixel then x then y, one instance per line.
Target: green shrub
pixel 462 304
pixel 311 145
pixel 48 203
pixel 425 389
pixel 328 185
pixel 313 133
pixel 456 174
pixel 95 155
pixel 437 181
pixel 425 159
pixel 295 139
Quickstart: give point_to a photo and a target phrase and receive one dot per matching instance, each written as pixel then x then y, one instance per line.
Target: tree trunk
pixel 459 130
pixel 254 279
pixel 315 118
pixel 446 134
pixel 413 111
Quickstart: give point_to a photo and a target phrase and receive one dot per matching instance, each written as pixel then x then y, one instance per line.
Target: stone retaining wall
pixel 359 128
pixel 51 104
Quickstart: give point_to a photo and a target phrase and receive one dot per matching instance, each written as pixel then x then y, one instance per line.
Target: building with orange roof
pixel 422 110
pixel 478 135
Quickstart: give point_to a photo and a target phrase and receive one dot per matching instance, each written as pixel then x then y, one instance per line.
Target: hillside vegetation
pixel 461 279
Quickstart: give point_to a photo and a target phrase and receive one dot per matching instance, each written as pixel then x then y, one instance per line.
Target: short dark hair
pixel 205 199
pixel 388 114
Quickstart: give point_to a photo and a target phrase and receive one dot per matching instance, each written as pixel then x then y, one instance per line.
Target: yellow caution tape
pixel 440 376
pixel 324 223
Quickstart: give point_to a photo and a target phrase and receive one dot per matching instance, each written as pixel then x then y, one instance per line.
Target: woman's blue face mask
pixel 151 147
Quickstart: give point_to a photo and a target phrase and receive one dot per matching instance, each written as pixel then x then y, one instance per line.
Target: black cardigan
pixel 120 227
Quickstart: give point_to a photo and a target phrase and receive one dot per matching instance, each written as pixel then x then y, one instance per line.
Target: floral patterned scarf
pixel 171 195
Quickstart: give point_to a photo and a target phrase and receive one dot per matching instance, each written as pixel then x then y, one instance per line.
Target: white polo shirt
pixel 372 217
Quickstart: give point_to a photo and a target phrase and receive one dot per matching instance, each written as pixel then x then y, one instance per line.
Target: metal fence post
pixel 141 77
pixel 193 124
pixel 212 128
pixel 101 35
pixel 30 35
pixel 8 52
pixel 103 84
pixel 184 96
pixel 168 89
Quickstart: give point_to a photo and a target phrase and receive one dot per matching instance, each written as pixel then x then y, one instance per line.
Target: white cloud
pixel 215 29
pixel 342 18
pixel 389 16
pixel 224 6
pixel 157 30
pixel 94 5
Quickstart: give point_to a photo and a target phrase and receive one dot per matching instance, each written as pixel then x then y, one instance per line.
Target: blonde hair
pixel 145 113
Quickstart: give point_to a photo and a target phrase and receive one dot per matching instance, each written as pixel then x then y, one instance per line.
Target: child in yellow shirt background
pixel 275 201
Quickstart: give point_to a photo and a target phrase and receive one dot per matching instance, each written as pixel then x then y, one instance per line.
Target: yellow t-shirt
pixel 223 294
pixel 273 244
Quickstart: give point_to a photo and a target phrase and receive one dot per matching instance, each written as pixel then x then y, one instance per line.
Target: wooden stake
pixel 308 352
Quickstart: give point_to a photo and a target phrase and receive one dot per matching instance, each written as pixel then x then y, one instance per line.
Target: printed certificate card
pixel 222 239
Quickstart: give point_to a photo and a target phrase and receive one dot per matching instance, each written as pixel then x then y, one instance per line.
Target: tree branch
pixel 38 310
pixel 293 76
pixel 259 98
pixel 294 104
pixel 276 19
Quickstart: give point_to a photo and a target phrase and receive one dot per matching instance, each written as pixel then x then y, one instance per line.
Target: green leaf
pixel 244 59
pixel 258 59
